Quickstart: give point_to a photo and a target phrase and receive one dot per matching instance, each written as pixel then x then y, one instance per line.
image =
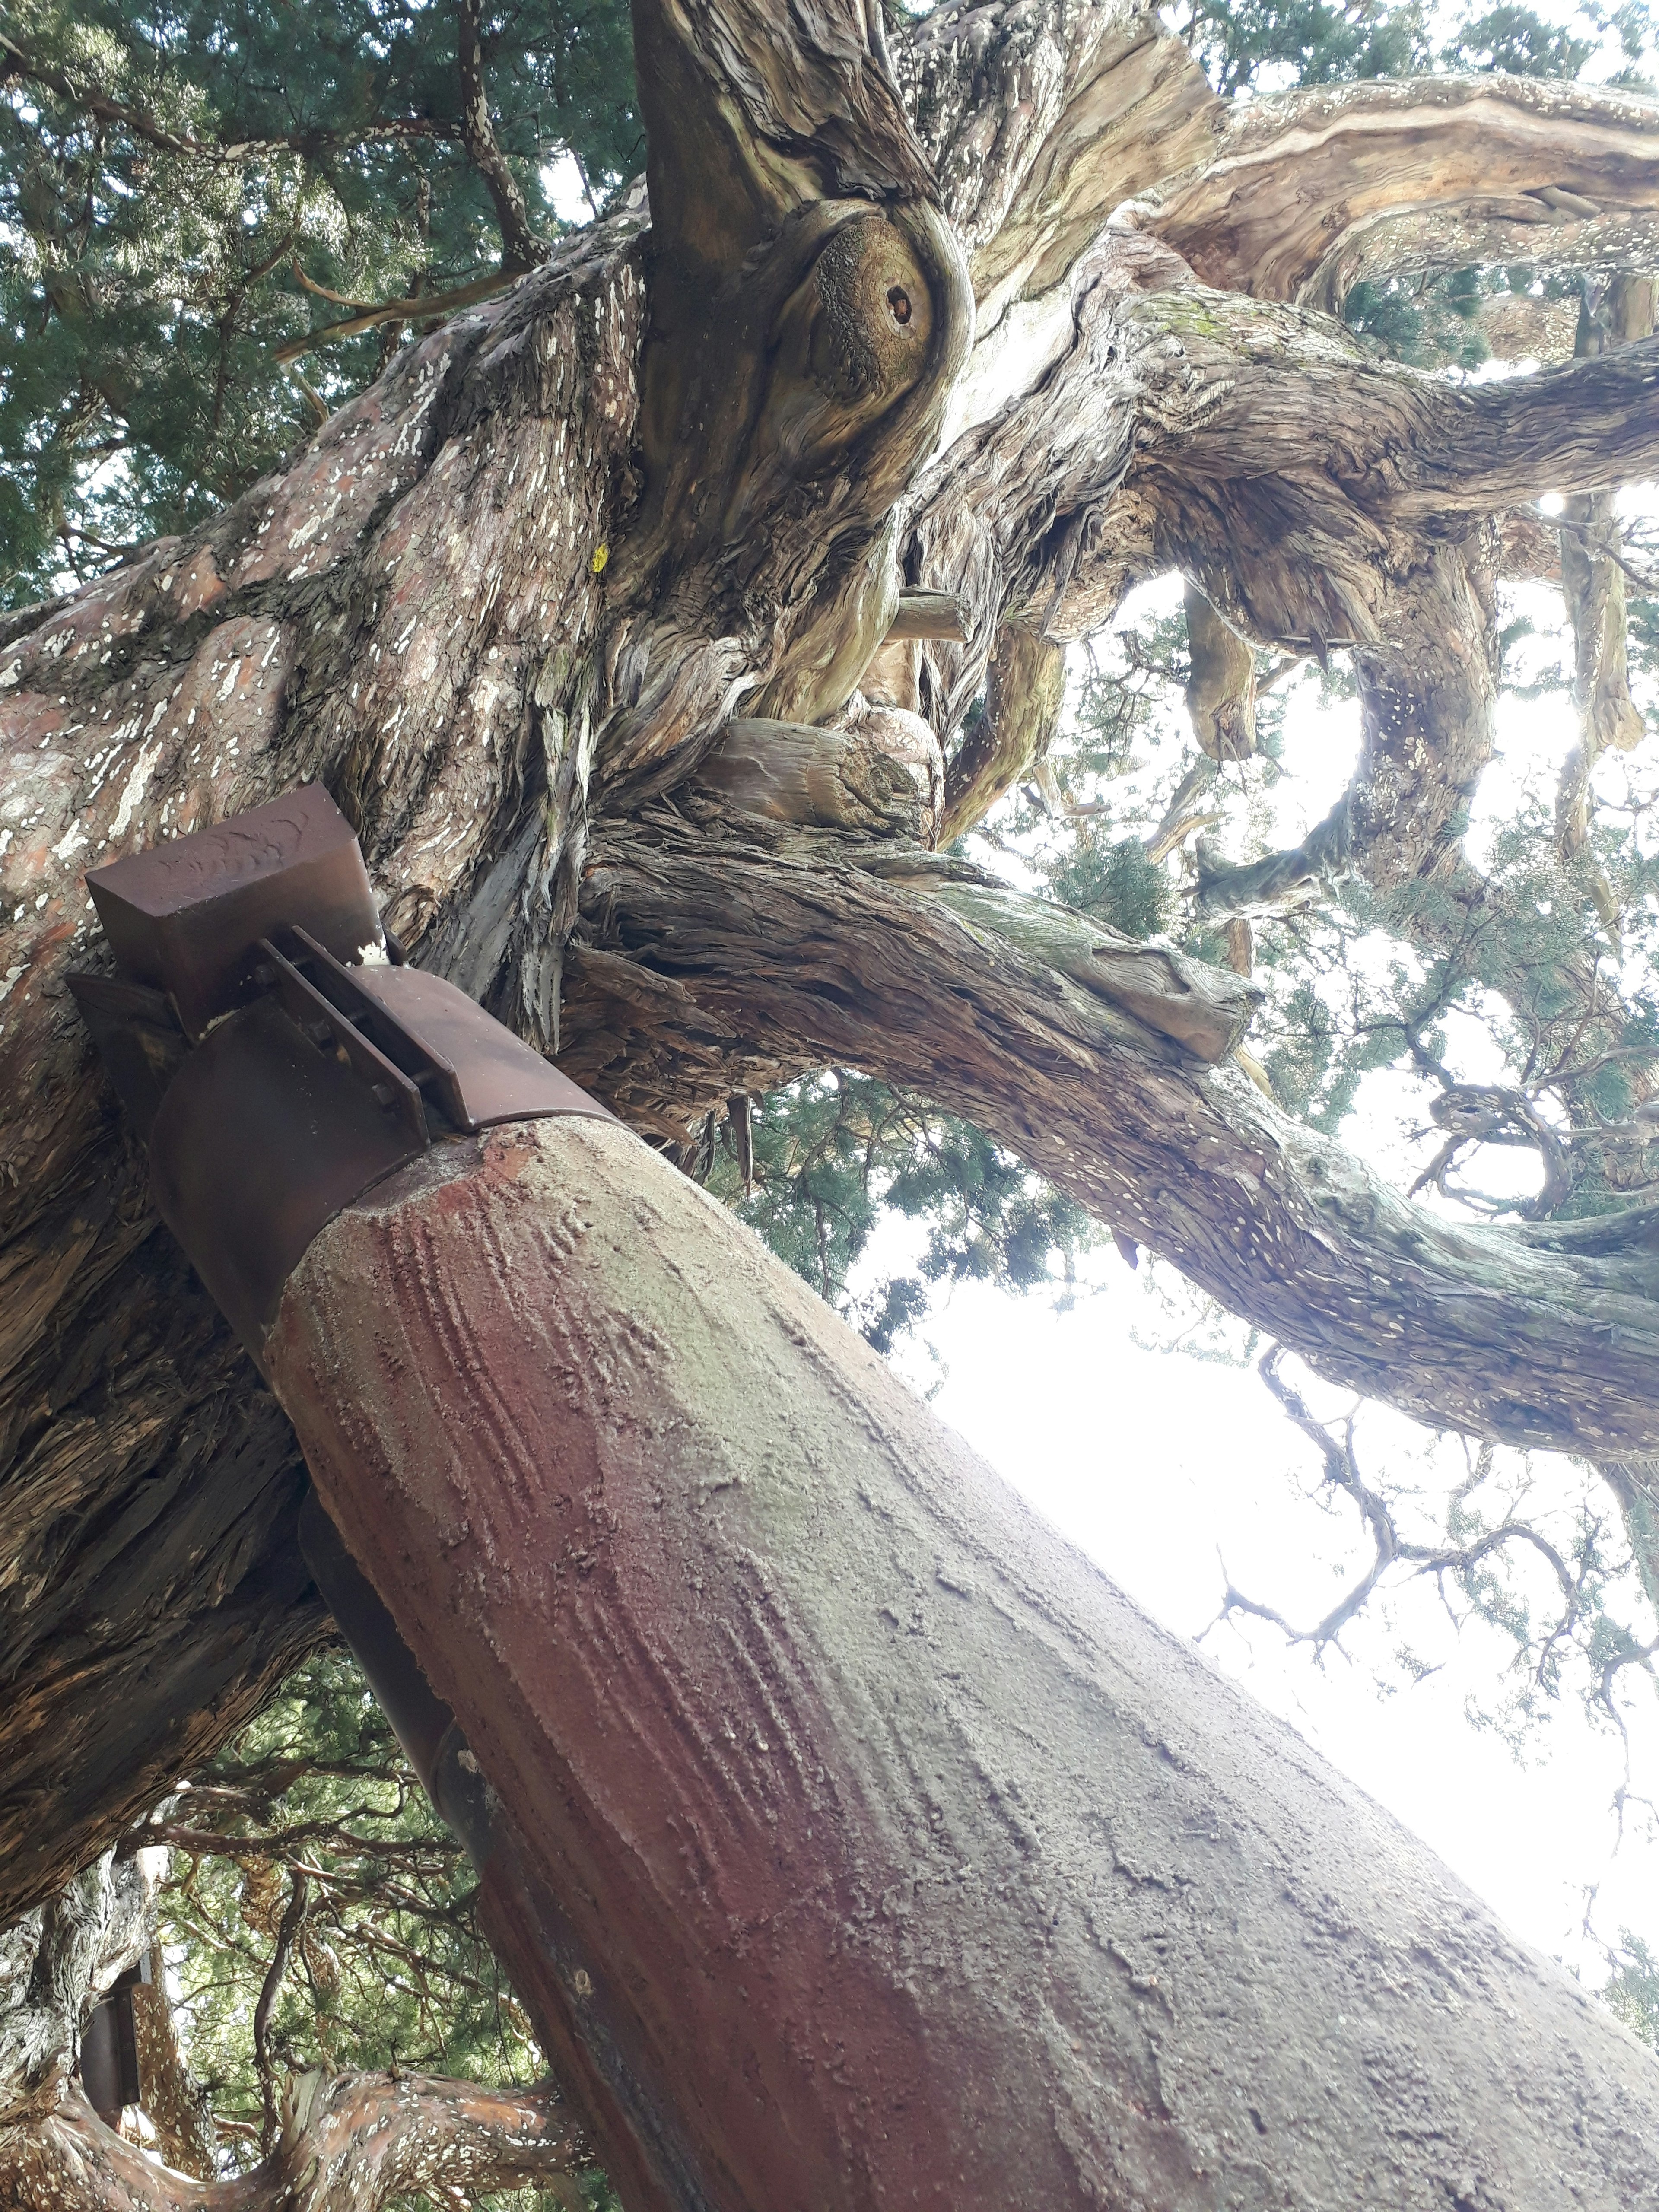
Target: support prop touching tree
pixel 800 1763
pixel 840 1784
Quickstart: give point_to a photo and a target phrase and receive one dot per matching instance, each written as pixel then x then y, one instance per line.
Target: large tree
pixel 659 619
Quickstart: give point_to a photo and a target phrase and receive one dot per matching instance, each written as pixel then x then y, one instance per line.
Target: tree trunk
pixel 508 603
pixel 55 1963
pixel 878 1851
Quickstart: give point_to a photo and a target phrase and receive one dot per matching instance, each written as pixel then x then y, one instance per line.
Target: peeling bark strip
pixel 350 2144
pixel 898 1858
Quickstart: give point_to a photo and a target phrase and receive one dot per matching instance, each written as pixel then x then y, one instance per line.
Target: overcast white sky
pixel 1154 1463
pixel 1159 1465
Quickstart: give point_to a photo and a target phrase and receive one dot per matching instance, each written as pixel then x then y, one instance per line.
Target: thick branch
pixel 424 306
pixel 293 1917
pixel 520 248
pixel 1024 695
pixel 823 778
pixel 348 2145
pixel 1593 581
pixel 1220 683
pixel 928 614
pixel 1427 693
pixel 1041 118
pixel 1542 1335
pixel 52 1959
pixel 742 124
pixel 1289 476
pixel 1299 198
pixel 1404 448
pixel 174 2101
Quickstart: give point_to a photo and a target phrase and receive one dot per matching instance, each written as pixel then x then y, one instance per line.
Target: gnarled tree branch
pixel 348 2144
pixel 1593 581
pixel 1298 198
pixel 534 573
pixel 1547 1334
pixel 520 248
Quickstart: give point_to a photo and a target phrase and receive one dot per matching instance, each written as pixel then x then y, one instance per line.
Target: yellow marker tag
pixel 601 555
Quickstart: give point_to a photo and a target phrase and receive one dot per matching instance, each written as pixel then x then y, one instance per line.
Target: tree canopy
pixel 188 197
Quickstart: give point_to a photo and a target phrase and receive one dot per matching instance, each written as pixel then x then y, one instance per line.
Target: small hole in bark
pixel 899 301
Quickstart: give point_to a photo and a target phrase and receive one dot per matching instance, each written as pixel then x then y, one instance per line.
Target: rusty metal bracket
pixel 319 1020
pixel 184 916
pixel 273 1048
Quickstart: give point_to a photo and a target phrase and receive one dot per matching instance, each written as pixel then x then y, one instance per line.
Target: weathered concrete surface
pixel 894 1857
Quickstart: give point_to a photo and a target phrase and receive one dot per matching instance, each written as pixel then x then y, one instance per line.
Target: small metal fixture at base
pixel 110 2072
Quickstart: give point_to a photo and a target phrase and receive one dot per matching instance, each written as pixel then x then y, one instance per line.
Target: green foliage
pixel 1633 1992
pixel 1270 46
pixel 1518 40
pixel 387 1966
pixel 152 259
pixel 1428 322
pixel 1114 880
pixel 836 1153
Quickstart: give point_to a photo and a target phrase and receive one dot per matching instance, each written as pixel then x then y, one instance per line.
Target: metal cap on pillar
pixel 274 1048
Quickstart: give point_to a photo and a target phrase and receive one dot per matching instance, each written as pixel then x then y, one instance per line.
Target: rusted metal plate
pixel 311 1076
pixel 185 916
pixel 419 1720
pixel 138 1040
pixel 260 1140
pixel 490 1076
pixel 110 2072
pixel 322 1021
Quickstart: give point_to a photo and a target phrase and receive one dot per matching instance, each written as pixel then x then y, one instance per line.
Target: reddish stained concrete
pixel 857 1844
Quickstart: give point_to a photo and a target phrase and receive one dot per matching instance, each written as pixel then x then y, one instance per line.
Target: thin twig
pixel 299 1890
pixel 424 306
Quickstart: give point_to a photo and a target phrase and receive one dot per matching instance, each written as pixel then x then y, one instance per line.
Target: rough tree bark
pixel 348 2143
pixel 1593 584
pixel 1024 316
pixel 742 963
pixel 345 2143
pixel 55 1962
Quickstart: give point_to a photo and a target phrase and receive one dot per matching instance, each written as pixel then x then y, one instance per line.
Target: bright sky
pixel 1155 1463
pixel 1159 1465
